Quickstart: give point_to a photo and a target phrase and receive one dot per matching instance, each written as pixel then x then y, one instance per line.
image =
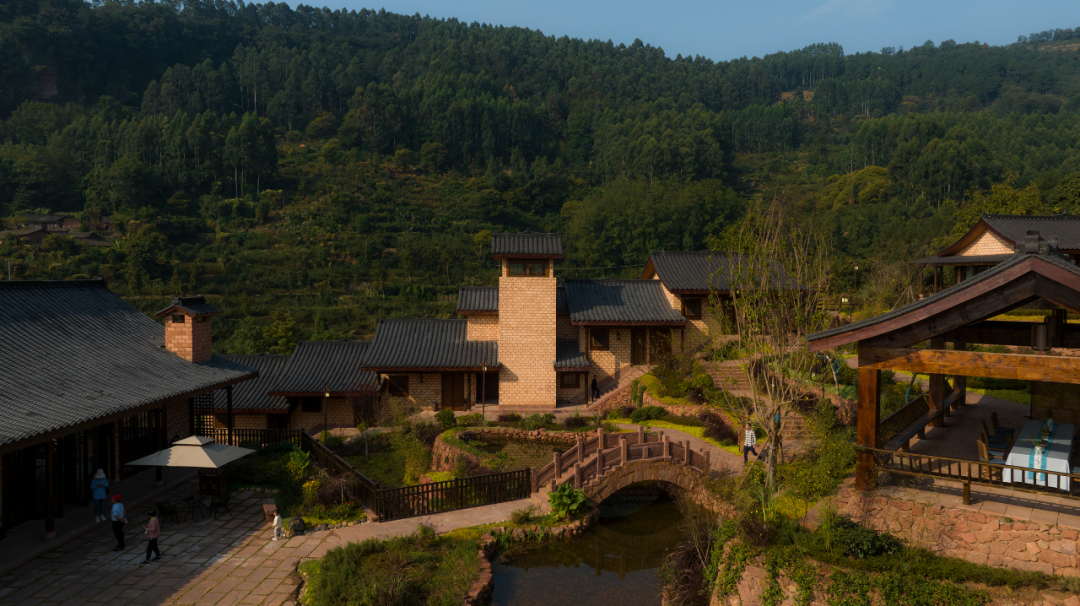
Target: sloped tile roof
pixel 427 344
pixel 478 299
pixel 527 243
pixel 968 260
pixel 989 274
pixel 72 351
pixel 697 270
pixel 619 301
pixel 568 354
pixel 337 365
pixel 253 395
pixel 1064 228
pixel 196 306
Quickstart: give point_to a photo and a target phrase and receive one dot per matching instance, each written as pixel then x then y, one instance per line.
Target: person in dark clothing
pixel 749 442
pixel 119 518
pixel 595 389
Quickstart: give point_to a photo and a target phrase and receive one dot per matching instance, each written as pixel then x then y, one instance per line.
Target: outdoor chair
pixel 995 440
pixel 997 449
pixel 167 510
pixel 988 473
pixel 220 501
pixel 999 430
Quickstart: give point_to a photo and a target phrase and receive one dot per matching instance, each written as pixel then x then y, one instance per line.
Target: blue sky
pixel 725 29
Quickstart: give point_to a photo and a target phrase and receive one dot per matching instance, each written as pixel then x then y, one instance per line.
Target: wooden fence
pixel 901 419
pixel 256 437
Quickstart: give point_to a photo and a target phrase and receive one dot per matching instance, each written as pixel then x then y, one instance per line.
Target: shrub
pixel 299 464
pixel 566 500
pixel 536 421
pixel 647 413
pixel 414 451
pixel 509 418
pixel 717 427
pixel 446 418
pixel 473 420
pixel 859 542
pixel 522 516
pixel 684 420
pixel 311 491
pixel 575 422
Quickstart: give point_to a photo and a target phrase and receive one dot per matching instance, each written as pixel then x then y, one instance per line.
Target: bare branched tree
pixel 776 273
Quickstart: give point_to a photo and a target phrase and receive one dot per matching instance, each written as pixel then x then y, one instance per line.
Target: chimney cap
pixel 191 306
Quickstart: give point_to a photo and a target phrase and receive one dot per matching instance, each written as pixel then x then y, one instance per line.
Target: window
pixel 398 386
pixel 178 319
pixel 519 267
pixel 692 308
pixel 599 339
pixel 568 379
pixel 311 404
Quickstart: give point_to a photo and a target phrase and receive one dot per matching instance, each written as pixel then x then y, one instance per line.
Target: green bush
pixel 647 413
pixel 536 421
pixel 566 500
pixel 473 420
pixel 446 418
pixel 860 542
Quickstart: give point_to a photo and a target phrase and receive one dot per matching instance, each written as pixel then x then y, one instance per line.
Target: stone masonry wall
pixel 988 243
pixel 527 341
pixel 339 413
pixel 963 533
pixel 482 328
pixel 190 339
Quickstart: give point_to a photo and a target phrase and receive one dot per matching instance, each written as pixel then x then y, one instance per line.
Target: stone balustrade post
pixel 641 437
pixel 558 463
pixel 708 463
pixel 600 438
pixel 665 452
pixel 622 451
pixel 577 476
pixel 686 452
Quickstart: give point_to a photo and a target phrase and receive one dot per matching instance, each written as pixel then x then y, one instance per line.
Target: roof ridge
pixel 100 282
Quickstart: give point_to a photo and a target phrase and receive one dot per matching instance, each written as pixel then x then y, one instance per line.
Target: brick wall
pixel 426 393
pixel 570 393
pixel 190 339
pixel 605 363
pixel 527 335
pixel 988 243
pixel 482 328
pixel 246 421
pixel 339 413
pixel 178 420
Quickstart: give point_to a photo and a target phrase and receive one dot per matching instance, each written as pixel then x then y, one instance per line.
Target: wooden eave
pixel 573 369
pixel 702 293
pixel 320 394
pixel 969 238
pixel 478 312
pixel 649 271
pixel 1023 283
pixel 252 411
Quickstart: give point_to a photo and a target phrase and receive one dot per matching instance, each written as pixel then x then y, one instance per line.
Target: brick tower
pixel 188 327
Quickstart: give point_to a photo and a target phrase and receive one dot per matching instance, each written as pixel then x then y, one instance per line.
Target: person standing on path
pixel 153 532
pixel 119 518
pixel 97 492
pixel 277 525
pixel 749 443
pixel 595 390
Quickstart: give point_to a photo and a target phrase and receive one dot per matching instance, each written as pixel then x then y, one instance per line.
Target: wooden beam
pixel 869 411
pixel 1055 369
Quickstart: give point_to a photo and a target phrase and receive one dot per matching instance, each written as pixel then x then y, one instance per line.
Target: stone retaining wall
pixel 975 536
pixel 445 457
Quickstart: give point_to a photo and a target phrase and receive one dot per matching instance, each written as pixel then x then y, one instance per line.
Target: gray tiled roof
pixel 196 306
pixel 252 395
pixel 527 243
pixel 1065 228
pixel 478 299
pixel 959 260
pixel 30 218
pixel 336 364
pixel 942 294
pixel 619 301
pixel 72 351
pixel 698 270
pixel 21 232
pixel 427 343
pixel 568 354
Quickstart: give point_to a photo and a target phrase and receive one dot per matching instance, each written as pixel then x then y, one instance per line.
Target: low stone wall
pixel 480 591
pixel 958 532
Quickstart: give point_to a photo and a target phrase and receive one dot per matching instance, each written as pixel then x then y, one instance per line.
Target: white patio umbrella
pixel 195 451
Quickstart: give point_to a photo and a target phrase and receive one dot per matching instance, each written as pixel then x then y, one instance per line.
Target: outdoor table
pixel 1056 456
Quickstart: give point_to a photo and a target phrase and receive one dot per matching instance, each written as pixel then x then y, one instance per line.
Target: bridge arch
pixel 683 478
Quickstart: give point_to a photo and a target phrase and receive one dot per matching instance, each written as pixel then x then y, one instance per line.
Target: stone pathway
pixel 231 560
pixel 723 461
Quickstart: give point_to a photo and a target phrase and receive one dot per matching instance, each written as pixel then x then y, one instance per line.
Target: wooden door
pixel 487 387
pixel 637 346
pixel 659 345
pixel 453 390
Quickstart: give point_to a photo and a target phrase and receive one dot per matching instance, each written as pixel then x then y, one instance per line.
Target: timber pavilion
pixel 935 336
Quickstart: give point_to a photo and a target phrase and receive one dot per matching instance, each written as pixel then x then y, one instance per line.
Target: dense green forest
pixel 313 170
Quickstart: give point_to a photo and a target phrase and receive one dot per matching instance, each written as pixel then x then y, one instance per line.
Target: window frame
pixel 179 319
pixel 565 380
pixel 700 308
pixel 528 266
pixel 603 344
pixel 397 386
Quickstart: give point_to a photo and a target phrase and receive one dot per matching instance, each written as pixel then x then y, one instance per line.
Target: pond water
pixel 615 562
pixel 525 453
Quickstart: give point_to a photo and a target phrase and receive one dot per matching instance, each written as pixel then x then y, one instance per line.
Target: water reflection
pixel 614 563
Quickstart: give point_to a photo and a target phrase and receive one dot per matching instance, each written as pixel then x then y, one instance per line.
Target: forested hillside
pixel 325 168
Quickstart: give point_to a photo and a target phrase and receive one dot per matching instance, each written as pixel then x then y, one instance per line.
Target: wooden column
pixel 960 381
pixel 869 410
pixel 50 492
pixel 936 394
pixel 228 411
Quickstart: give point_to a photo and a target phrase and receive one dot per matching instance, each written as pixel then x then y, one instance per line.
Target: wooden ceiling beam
pixel 1057 369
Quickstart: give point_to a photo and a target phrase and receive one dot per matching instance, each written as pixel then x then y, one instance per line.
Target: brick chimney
pixel 188 327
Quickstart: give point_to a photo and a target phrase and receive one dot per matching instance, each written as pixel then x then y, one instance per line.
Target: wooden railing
pixel 435 497
pixel 256 437
pixel 1024 479
pixel 593 458
pixel 901 419
pixel 360 487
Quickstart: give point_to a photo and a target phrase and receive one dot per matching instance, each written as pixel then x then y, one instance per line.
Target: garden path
pixel 231 560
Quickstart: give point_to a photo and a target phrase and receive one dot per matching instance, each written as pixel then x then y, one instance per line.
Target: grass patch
pixel 440 476
pixel 697 432
pixel 386 467
pixel 419 569
pixel 1009 395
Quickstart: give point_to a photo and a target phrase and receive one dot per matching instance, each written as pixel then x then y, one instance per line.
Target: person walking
pixel 277 525
pixel 153 533
pixel 97 492
pixel 749 443
pixel 119 518
pixel 595 390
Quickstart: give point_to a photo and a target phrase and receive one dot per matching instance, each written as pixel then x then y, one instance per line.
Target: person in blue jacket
pixel 97 492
